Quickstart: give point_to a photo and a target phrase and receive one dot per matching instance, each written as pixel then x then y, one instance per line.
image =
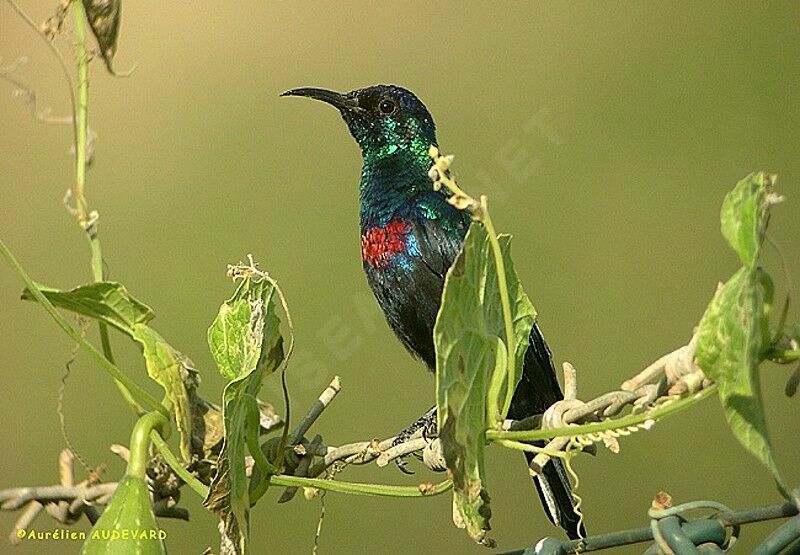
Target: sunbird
pixel 410 236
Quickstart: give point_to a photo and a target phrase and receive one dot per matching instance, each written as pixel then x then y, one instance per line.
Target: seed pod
pixel 104 19
pixel 128 524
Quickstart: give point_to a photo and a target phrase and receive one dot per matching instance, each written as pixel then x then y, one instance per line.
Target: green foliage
pixel 246 344
pixel 471 303
pixel 481 335
pixel 105 301
pixel 236 335
pixel 734 333
pixel 484 309
pixel 461 398
pixel 127 525
pixel 172 371
pixel 472 371
pixel 745 215
pixel 110 303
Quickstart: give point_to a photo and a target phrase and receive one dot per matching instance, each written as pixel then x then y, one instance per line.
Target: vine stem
pixel 83 110
pixel 663 411
pixel 140 441
pixel 502 284
pixel 169 457
pixel 519 446
pixel 362 489
pixel 87 220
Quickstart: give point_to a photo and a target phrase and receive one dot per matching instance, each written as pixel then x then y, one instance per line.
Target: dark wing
pixel 536 391
pixel 538 387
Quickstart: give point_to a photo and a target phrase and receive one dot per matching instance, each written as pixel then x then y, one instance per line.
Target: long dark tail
pixel 538 389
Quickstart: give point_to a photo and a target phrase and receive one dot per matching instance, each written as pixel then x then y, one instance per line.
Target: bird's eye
pixel 387 106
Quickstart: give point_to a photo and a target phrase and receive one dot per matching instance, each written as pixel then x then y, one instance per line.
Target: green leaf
pixel 110 302
pixel 733 335
pixel 471 303
pixel 729 350
pixel 139 394
pixel 174 372
pixel 471 354
pixel 127 525
pixel 245 342
pixel 106 301
pixel 235 338
pixel 461 386
pixel 745 215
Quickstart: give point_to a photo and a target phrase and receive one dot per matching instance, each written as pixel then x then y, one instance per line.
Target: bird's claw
pixel 426 425
pixel 402 464
pixel 431 429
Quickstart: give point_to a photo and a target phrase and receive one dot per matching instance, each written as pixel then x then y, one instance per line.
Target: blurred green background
pixel 606 137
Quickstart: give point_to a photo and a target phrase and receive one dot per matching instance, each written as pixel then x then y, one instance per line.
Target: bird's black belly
pixel 410 295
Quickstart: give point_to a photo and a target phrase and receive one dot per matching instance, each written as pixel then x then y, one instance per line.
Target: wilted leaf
pixel 470 349
pixel 104 19
pixel 745 215
pixel 733 334
pixel 729 352
pixel 461 400
pixel 245 342
pixel 128 524
pixel 207 425
pixel 235 337
pixel 173 371
pixel 106 301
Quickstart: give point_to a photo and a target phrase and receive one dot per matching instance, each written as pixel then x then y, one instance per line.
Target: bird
pixel 410 236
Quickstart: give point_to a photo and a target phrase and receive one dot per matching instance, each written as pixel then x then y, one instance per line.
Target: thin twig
pixel 401 450
pixel 32 510
pixel 13 499
pixel 30 98
pixel 325 398
pixel 62 64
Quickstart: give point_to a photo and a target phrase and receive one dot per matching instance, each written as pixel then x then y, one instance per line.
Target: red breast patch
pixel 380 244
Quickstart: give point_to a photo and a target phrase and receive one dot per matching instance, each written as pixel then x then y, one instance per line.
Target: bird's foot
pixel 426 425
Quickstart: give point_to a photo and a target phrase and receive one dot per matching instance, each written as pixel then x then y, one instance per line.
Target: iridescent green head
pixel 383 119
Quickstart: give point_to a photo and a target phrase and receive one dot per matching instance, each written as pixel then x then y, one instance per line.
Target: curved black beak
pixel 335 99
